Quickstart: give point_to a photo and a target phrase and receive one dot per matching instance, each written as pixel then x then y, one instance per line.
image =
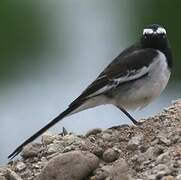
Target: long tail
pixel 68 111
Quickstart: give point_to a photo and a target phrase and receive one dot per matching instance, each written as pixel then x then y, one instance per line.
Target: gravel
pixel 151 151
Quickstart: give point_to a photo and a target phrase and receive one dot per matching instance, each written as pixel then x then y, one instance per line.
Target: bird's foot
pixel 64 132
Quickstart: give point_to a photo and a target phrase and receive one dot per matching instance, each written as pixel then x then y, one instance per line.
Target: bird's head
pixel 154 36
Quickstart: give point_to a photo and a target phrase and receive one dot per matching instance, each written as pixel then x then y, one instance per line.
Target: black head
pixel 155 36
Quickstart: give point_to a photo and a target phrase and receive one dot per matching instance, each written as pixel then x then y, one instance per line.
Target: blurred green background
pixel 51 50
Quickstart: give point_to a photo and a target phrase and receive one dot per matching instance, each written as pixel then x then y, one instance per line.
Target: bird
pixel 131 81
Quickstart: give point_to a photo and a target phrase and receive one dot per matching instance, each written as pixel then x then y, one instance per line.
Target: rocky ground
pixel 151 151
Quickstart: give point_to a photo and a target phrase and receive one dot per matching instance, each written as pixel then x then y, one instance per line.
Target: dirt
pixel 151 151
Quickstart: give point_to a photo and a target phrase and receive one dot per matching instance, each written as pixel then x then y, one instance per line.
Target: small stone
pixel 152 152
pixel 92 139
pixel 93 132
pixel 11 175
pixel 71 139
pixel 52 156
pixel 3 170
pixel 154 142
pixel 178 177
pixel 51 148
pixel 143 148
pixel 36 166
pixel 69 148
pixel 110 155
pixel 161 170
pixel 26 174
pixel 98 151
pixel 134 142
pixel 20 166
pixel 163 139
pixel 43 159
pixel 158 150
pixel 164 157
pixel 107 137
pixel 72 165
pixel 175 139
pixel 168 178
pixel 151 177
pixel 119 170
pixel 100 174
pixel 2 178
pixel 149 154
pixel 57 145
pixel 48 138
pixel 31 150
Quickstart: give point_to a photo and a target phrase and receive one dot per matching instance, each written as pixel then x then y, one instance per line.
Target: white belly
pixel 141 92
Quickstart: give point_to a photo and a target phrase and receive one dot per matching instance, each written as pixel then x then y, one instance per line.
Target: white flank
pixel 145 90
pixel 139 94
pixel 126 78
pixel 136 74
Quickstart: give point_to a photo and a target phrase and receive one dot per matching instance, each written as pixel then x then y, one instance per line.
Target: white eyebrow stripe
pixel 161 30
pixel 147 31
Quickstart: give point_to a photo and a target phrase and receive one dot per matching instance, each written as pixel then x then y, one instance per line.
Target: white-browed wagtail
pixel 132 80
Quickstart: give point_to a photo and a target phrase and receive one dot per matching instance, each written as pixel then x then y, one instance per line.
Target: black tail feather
pixel 41 131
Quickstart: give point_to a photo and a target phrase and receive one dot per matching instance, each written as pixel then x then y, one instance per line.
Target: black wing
pixel 131 64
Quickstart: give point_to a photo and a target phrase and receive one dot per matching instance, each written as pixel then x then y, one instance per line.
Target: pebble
pixel 134 142
pixel 31 150
pixel 48 137
pixel 20 166
pixel 69 148
pixel 178 177
pixel 11 175
pixel 119 170
pixel 70 166
pixel 110 155
pixel 98 151
pixel 164 157
pixel 51 148
pixel 2 178
pixel 106 136
pixel 163 139
pixel 168 178
pixel 71 139
pixel 93 132
pixel 161 170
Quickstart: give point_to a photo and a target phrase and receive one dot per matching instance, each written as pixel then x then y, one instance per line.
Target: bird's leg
pixel 64 132
pixel 129 116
